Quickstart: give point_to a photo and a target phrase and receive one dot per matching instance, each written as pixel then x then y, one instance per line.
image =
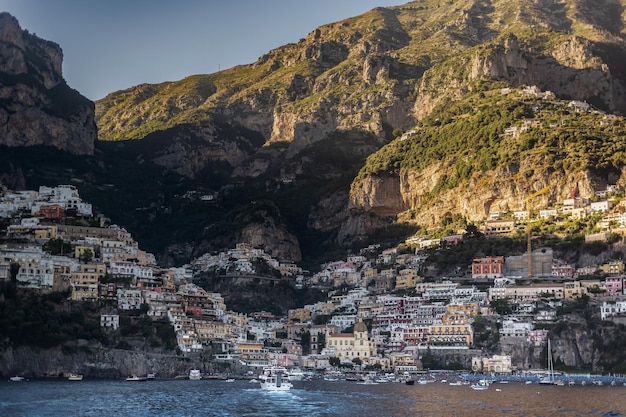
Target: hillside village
pixel 383 310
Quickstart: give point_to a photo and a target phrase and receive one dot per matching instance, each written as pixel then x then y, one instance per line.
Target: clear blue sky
pixel 110 45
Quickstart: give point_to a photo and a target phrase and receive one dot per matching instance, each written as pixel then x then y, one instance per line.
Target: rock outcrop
pixel 36 105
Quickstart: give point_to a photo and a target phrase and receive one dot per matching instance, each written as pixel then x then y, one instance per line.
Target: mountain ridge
pixel 294 128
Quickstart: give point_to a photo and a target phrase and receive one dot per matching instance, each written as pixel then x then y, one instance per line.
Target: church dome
pixel 360 327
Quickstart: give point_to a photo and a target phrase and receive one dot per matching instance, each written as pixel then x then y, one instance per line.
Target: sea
pixel 185 398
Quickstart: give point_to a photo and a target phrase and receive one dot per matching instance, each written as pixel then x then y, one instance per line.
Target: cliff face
pixel 387 69
pixel 94 361
pixel 263 131
pixel 501 190
pixel 36 106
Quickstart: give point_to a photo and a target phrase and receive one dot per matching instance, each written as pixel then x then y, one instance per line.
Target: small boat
pixel 274 378
pixel 195 375
pixel 229 380
pixel 367 382
pixel 136 378
pixel 481 385
pixel 150 377
pixel 455 383
pixel 75 377
pixel 295 374
pixel 16 378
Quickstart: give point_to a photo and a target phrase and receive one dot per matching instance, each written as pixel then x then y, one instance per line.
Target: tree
pixel 500 306
pixel 86 255
pixel 57 247
pixel 321 319
pixel 334 361
pixel 357 361
pixel 305 341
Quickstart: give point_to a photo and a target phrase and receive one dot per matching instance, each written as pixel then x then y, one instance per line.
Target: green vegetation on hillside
pixel 468 137
pixel 28 318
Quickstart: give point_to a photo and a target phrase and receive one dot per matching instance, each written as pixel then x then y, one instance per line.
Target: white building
pixel 515 328
pixel 343 321
pixel 129 299
pixel 610 309
pixel 111 321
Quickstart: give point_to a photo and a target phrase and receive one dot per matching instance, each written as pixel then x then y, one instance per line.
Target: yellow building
pixel 208 330
pixel 302 315
pixel 460 313
pixel 84 283
pixel 352 345
pixel 615 267
pixel 498 364
pixel 80 250
pixel 451 334
pixel 369 274
pixel 406 279
pixel 573 289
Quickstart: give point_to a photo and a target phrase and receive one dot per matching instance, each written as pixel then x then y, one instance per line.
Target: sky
pixel 111 45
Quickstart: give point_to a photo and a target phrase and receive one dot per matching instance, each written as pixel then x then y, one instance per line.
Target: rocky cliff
pixel 36 105
pixel 296 126
pixel 387 69
pixel 98 362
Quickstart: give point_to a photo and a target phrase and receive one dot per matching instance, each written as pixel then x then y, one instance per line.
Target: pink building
pixel 538 337
pixel 560 269
pixel 614 285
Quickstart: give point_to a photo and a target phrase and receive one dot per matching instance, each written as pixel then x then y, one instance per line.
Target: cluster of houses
pixel 406 315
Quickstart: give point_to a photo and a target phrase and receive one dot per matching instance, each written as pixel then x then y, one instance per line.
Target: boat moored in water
pixel 274 378
pixel 74 377
pixel 481 385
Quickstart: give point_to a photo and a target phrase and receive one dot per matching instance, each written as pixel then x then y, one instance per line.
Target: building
pixel 348 346
pixel 527 293
pixel 541 264
pixel 613 268
pixel 499 227
pixel 611 309
pixel 614 286
pixel 406 279
pixel 498 364
pixel 489 267
pixel 451 334
pixel 110 321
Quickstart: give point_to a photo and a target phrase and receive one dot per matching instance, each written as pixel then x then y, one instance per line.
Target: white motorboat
pixel 16 378
pixel 75 377
pixel 274 378
pixel 295 374
pixel 135 378
pixel 481 385
pixel 195 375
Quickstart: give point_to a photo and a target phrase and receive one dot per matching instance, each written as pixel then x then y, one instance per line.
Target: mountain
pixel 37 107
pixel 376 125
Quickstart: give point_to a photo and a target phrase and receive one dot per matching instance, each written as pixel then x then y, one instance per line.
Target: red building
pixel 489 267
pixel 51 212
